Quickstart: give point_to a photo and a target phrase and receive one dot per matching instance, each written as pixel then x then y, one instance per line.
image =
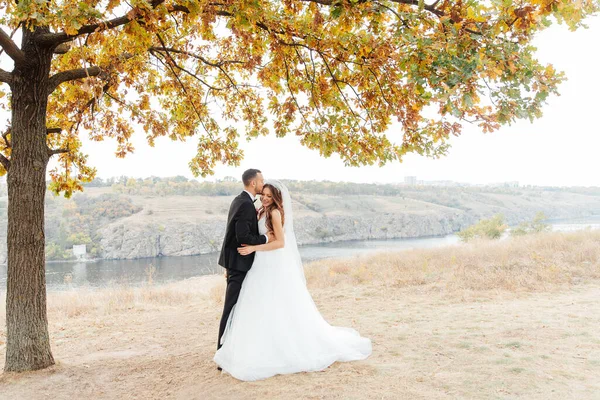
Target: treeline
pixel 76 221
pixel 180 185
pixel 177 185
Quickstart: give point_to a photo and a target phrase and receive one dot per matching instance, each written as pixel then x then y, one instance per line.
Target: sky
pixel 560 149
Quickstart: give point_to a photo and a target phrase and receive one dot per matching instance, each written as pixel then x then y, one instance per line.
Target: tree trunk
pixel 28 341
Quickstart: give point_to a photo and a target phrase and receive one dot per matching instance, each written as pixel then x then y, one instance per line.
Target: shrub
pixel 492 228
pixel 537 225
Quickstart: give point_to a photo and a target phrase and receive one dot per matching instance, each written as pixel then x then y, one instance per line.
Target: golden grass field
pixel 488 320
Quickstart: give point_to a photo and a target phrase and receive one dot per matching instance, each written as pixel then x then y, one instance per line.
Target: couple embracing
pixel 270 324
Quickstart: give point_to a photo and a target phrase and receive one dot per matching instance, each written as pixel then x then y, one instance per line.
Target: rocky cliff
pixel 328 219
pixel 189 225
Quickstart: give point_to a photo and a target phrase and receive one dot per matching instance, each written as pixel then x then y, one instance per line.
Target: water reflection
pixel 129 272
pixel 360 247
pixel 569 225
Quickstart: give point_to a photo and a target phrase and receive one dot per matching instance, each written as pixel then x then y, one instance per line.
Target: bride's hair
pixel 276 205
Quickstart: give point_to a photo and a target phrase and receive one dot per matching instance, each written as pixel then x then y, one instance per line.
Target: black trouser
pixel 234 285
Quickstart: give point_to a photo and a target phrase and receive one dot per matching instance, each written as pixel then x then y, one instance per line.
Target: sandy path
pixel 426 345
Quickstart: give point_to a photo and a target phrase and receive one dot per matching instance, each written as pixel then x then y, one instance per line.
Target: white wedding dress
pixel 275 327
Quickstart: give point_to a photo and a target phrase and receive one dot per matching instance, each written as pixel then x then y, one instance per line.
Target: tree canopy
pixel 336 73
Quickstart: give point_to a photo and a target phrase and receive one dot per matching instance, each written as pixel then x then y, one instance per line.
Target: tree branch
pixel 172 61
pixel 309 79
pixel 62 37
pixel 322 2
pixel 60 77
pixel 287 81
pixel 11 35
pixel 62 48
pixel 6 77
pixel 11 48
pixel 53 130
pixel 5 138
pixel 196 56
pixel 380 88
pixel 58 151
pixel 168 65
pixel 5 162
pixel 429 7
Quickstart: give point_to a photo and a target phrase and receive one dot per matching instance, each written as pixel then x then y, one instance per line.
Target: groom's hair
pixel 248 175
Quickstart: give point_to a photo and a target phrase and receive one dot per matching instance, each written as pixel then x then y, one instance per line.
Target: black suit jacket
pixel 242 228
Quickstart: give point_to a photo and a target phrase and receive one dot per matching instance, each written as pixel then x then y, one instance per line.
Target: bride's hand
pixel 246 250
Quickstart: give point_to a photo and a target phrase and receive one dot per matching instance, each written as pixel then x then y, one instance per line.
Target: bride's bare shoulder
pixel 276 214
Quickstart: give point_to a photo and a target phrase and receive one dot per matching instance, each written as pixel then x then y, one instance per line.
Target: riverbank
pixel 510 319
pixel 134 226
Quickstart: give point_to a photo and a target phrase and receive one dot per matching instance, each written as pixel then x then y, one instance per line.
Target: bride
pixel 275 327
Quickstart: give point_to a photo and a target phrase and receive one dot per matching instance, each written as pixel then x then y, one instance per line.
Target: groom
pixel 242 228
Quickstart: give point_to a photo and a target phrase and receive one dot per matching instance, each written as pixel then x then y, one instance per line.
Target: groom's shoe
pixel 219 369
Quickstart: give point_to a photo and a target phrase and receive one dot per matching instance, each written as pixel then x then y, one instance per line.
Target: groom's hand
pixel 245 250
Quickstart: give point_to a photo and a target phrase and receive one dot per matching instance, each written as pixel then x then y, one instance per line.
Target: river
pixel 103 273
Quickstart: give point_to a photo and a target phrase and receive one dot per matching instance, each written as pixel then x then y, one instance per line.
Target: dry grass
pixel 530 263
pixel 67 305
pixel 540 262
pixel 430 341
pixel 105 302
pixel 217 292
pixel 114 300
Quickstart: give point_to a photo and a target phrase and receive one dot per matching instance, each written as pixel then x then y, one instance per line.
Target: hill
pixel 149 218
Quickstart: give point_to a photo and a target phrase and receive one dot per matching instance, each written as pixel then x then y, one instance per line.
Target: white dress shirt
pixel 253 198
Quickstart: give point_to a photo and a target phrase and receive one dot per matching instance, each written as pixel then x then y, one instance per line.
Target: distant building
pixel 505 184
pixel 80 251
pixel 441 183
pixel 410 180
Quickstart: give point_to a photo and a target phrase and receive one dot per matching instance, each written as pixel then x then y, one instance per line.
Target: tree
pixel 333 72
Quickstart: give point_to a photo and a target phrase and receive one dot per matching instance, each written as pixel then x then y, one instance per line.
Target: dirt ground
pixel 426 344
